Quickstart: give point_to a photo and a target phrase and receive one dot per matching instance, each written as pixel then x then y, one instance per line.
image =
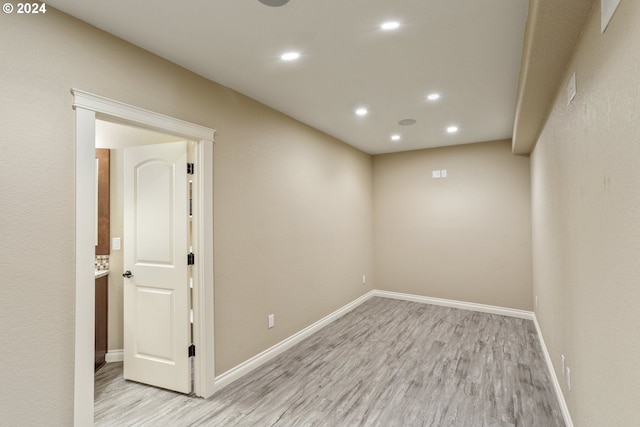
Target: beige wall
pixel 586 225
pixel 466 237
pixel 293 233
pixel 293 222
pixel 294 208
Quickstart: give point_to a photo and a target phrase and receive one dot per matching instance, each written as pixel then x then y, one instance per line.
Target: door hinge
pixel 190 168
pixel 192 350
pixel 191 259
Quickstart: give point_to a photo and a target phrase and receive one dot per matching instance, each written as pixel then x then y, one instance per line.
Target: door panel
pixel 155 340
pixel 156 297
pixel 153 198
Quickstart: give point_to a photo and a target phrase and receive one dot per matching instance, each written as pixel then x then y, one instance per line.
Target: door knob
pixel 127 274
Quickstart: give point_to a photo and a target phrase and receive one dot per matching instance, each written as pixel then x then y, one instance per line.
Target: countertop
pixel 100 273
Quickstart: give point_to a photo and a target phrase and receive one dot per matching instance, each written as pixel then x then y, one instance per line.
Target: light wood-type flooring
pixel 386 363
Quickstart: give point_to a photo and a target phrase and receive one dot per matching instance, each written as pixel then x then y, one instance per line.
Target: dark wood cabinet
pixel 103 221
pixel 102 305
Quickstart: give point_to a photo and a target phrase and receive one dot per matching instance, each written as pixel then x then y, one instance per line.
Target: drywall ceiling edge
pixel 553 30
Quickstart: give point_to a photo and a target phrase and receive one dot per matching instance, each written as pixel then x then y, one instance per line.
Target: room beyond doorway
pixel 127 296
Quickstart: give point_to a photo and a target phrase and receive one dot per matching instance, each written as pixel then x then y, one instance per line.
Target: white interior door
pixel 156 296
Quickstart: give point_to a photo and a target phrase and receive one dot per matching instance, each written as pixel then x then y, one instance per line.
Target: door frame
pixel 88 107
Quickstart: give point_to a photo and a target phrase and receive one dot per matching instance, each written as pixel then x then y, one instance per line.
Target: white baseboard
pixel 554 379
pixel 256 361
pixel 114 356
pixel 483 308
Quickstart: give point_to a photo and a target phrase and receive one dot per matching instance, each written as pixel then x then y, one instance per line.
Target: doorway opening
pixel 88 108
pixel 150 284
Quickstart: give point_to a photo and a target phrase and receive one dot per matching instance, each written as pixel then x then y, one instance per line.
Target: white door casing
pixel 87 106
pixel 156 297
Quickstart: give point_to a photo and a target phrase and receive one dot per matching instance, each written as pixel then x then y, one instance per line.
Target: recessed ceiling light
pixel 395 137
pixel 406 122
pixel 433 96
pixel 452 129
pixel 290 56
pixel 390 25
pixel 361 111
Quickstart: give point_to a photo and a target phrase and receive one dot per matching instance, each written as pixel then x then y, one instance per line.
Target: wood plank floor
pixel 387 363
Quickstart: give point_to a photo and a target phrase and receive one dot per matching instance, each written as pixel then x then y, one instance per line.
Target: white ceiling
pixel 469 51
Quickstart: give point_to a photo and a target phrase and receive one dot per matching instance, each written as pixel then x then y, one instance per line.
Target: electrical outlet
pixel 435 174
pixel 272 320
pixel 364 279
pixel 443 173
pixel 563 365
pixel 569 378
